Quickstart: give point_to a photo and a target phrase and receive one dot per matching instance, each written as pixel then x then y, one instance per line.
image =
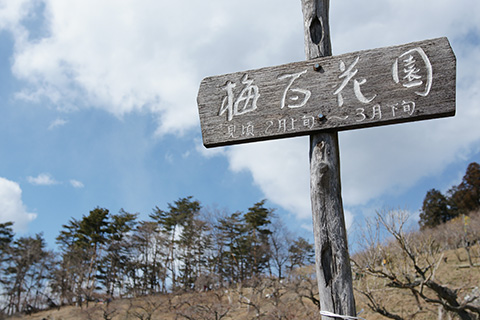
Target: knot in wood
pixel 316 30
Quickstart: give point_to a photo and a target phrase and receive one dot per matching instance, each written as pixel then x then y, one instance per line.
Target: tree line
pixel 184 248
pixel 458 201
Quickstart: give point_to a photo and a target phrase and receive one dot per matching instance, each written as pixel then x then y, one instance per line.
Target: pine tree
pixel 26 274
pixel 6 238
pixel 81 243
pixel 301 253
pixel 435 210
pixel 69 274
pixel 172 223
pixel 112 269
pixel 194 244
pixel 257 220
pixel 465 197
pixel 148 255
pixel 230 261
pixel 92 236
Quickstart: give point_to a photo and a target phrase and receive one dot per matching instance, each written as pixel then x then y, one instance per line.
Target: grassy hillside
pixel 273 300
pixel 390 276
pixel 453 271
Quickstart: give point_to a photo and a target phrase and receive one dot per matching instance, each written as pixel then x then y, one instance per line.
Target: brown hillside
pixel 390 276
pixel 271 299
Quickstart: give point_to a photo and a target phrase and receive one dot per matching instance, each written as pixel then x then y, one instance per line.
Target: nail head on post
pixel 318 67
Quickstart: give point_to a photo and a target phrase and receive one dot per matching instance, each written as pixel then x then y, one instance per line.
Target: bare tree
pixel 202 306
pixel 144 308
pixel 406 261
pixel 304 283
pixel 280 241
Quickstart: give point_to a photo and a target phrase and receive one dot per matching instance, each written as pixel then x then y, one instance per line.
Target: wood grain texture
pixel 405 83
pixel 332 259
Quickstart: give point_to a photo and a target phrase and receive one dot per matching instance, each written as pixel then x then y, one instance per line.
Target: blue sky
pixel 98 108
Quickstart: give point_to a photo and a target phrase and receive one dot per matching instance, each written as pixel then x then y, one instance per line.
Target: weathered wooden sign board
pixel 410 82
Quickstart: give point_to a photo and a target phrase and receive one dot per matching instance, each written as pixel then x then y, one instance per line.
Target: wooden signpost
pixel 415 81
pixel 320 97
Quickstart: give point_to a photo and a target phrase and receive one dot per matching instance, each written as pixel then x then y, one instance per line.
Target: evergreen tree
pixel 112 270
pixel 27 272
pixel 257 220
pixel 6 238
pixel 172 223
pixel 146 266
pixel 82 244
pixel 231 258
pixel 435 210
pixel 114 254
pixel 194 244
pixel 465 197
pixel 301 253
pixel 68 276
pixel 93 232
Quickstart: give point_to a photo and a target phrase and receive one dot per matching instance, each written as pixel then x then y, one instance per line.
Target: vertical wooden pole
pixel 333 269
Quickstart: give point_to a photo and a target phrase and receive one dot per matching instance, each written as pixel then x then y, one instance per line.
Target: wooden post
pixel 333 269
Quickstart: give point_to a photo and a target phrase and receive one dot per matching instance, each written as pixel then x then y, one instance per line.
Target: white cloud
pixel 169 158
pixel 46 179
pixel 388 22
pixel 280 169
pixel 307 227
pixel 12 207
pixel 76 184
pixel 126 56
pixel 12 12
pixel 57 123
pixel 208 153
pixel 43 179
pixel 348 219
pixel 387 160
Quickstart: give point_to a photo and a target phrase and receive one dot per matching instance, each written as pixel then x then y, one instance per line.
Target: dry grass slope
pixel 295 297
pixel 269 299
pixel 453 271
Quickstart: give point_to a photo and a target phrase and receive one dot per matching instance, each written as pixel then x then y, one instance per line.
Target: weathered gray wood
pixel 332 260
pixel 316 28
pixel 334 275
pixel 410 82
